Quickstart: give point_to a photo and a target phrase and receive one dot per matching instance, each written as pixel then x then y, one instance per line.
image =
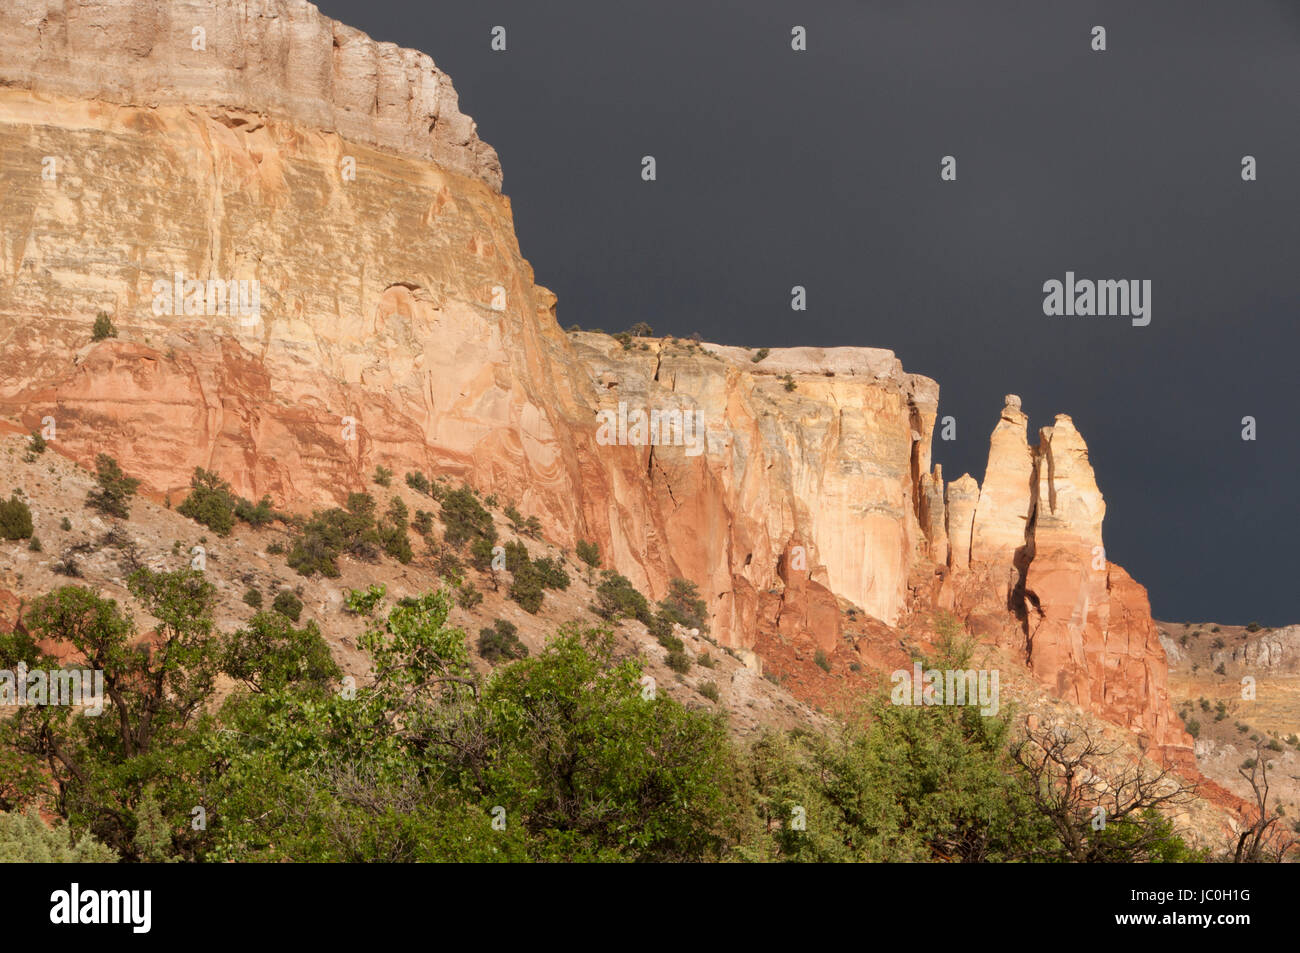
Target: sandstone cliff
pixel 1036 578
pixel 279 58
pixel 400 325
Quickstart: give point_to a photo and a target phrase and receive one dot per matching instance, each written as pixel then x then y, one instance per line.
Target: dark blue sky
pixel 821 168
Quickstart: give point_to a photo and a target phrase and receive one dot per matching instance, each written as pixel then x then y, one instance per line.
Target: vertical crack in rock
pixel 1022 598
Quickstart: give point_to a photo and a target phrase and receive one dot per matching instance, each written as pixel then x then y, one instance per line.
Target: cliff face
pixel 811 487
pixel 399 325
pixel 279 58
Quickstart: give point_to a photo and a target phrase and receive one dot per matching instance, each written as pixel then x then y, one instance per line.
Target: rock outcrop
pixel 281 59
pixel 399 325
pixel 1273 650
pixel 1038 579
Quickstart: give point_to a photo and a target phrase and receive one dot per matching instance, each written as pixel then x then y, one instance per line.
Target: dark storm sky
pixel 821 168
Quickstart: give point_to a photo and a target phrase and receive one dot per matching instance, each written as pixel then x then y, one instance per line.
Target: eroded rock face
pixel 1084 625
pixel 373 351
pixel 1277 650
pixel 1005 497
pixel 400 325
pixel 278 58
pixel 962 497
pixel 826 467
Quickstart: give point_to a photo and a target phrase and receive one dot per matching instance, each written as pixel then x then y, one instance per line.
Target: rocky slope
pixel 400 325
pixel 104 551
pixel 1237 688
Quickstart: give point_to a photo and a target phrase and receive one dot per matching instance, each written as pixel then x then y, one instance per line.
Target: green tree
pixel 103 327
pixel 481 553
pixel 364 601
pixel 551 573
pixel 101 766
pixel 15 519
pixel 153 838
pixel 617 598
pixel 115 489
pixel 25 839
pixel 270 654
pixel 589 552
pixel 594 770
pixel 287 604
pixel 465 519
pixel 35 446
pixel 210 502
pixel 333 532
pixel 257 514
pixel 526 588
pixel 684 606
pixel 392 531
pixel 467 596
pixel 500 642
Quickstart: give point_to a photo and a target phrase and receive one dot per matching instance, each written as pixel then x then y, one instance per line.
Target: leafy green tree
pixel 592 769
pixel 257 514
pixel 15 519
pixel 526 588
pixel 517 558
pixel 589 552
pixel 270 654
pixel 501 642
pixel 465 519
pixel 684 606
pixel 392 531
pixel 210 503
pixel 617 598
pixel 364 601
pixel 287 604
pixel 467 596
pixel 153 838
pixel 333 532
pixel 481 553
pixel 156 689
pixel 678 661
pixel 115 489
pixel 551 573
pixel 334 777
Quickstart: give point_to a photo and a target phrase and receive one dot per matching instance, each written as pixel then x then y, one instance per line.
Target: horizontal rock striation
pixel 278 58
